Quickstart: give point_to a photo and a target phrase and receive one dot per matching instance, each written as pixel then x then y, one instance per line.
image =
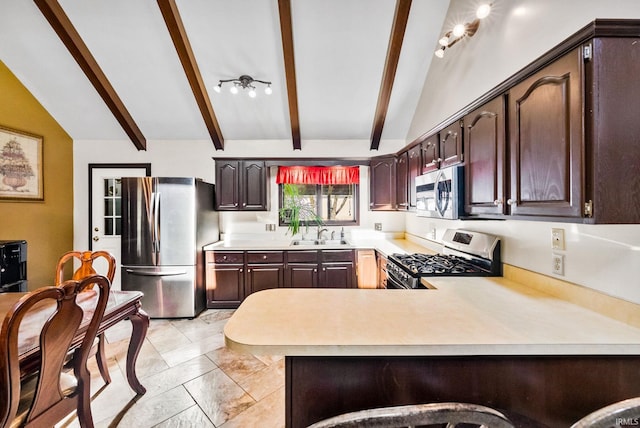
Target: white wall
pixel 602 257
pixel 194 159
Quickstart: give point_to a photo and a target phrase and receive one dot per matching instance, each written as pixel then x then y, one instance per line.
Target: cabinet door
pixel 225 285
pixel 366 269
pixel 451 145
pixel 402 181
pixel 254 186
pixel 382 183
pixel 227 185
pixel 430 149
pixel 264 277
pixel 415 169
pixel 302 275
pixel 546 138
pixel 484 146
pixel 337 275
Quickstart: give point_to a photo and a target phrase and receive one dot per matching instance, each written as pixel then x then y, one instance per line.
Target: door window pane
pixel 112 206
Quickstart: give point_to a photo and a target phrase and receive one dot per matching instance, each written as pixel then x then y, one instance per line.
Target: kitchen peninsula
pixel 489 341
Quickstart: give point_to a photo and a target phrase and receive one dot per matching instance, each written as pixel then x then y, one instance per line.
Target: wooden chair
pixel 625 412
pixel 86 269
pixel 44 398
pixel 451 414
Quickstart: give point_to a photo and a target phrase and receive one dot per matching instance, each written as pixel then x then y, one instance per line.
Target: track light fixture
pixel 244 82
pixel 460 31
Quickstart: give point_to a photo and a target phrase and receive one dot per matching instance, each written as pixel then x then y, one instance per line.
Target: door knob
pixel 96 238
pixel 96 229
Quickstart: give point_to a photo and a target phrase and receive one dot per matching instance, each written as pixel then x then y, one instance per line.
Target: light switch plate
pixel 557 239
pixel 378 226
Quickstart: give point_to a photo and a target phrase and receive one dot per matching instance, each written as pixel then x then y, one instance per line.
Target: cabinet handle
pixel 315 270
pixel 264 257
pixel 244 204
pixel 241 270
pixel 439 160
pixel 497 202
pixel 235 204
pixel 224 257
pixel 324 269
pixel 248 270
pixel 512 202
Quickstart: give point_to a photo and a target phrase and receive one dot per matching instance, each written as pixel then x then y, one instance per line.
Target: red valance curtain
pixel 318 175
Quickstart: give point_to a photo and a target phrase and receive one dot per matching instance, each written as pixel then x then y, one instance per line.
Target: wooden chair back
pixel 86 265
pixel 50 404
pixel 451 414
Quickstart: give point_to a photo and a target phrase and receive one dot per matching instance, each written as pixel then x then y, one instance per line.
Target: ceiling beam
pixel 61 24
pixel 286 31
pixel 400 19
pixel 178 34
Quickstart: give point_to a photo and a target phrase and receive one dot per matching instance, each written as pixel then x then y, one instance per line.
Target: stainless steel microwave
pixel 440 194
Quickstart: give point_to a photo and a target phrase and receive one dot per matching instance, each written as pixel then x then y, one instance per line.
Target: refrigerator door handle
pixel 155 272
pixel 156 223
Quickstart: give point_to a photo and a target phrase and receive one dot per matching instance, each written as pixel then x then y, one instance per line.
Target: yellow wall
pixel 47 225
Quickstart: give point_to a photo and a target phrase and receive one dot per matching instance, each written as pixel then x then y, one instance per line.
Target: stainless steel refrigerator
pixel 165 223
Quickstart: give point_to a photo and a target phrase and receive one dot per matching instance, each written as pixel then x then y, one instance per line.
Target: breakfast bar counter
pixel 482 340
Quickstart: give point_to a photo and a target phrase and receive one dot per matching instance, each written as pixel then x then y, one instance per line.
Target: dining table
pixel 122 305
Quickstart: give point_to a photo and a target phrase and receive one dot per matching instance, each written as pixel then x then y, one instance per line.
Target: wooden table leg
pixel 140 323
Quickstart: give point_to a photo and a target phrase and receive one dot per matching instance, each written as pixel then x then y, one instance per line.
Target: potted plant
pixel 296 210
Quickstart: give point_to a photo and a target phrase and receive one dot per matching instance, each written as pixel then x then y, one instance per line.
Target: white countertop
pixel 385 246
pixel 462 316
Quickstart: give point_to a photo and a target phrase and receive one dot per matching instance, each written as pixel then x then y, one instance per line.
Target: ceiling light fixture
pixel 244 82
pixel 460 31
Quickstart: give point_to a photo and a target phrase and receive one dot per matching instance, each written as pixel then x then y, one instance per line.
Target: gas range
pixel 464 253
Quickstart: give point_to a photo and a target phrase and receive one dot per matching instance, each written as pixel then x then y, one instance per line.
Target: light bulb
pixel 444 41
pixel 252 93
pixel 439 53
pixel 268 90
pixel 459 30
pixel 217 88
pixel 483 11
pixel 233 89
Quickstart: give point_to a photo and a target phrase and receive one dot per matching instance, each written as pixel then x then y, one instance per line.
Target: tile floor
pixel 192 380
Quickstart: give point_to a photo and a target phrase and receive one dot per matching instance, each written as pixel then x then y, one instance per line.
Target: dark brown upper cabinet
pixel 484 148
pixel 451 144
pixel 241 185
pixel 382 183
pixel 546 138
pixel 402 181
pixel 430 148
pixel 415 169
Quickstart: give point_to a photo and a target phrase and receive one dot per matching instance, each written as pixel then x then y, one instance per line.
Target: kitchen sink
pixel 319 242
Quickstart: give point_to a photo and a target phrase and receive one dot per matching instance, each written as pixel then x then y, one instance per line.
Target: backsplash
pixel 605 258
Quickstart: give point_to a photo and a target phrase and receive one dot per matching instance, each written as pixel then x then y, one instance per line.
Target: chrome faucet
pixel 320 232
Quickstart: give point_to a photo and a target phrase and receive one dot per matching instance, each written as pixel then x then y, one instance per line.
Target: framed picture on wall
pixel 20 166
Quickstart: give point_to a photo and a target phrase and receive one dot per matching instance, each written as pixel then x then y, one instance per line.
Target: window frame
pixel 356 208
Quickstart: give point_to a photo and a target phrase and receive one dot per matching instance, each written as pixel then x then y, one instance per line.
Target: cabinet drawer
pixel 225 257
pixel 265 256
pixel 337 255
pixel 302 256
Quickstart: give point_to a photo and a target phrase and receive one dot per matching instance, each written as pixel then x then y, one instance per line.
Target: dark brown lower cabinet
pixel 233 275
pixel 550 390
pixel 264 277
pixel 224 279
pixel 337 269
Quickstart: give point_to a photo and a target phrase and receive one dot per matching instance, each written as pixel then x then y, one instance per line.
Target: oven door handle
pixel 394 283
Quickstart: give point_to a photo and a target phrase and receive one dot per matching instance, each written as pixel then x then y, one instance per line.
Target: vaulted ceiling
pixel 143 69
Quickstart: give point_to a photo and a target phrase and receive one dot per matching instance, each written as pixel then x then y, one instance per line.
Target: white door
pixel 106 211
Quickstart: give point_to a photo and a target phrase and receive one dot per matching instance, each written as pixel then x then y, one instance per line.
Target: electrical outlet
pixel 557 264
pixel 378 226
pixel 557 239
